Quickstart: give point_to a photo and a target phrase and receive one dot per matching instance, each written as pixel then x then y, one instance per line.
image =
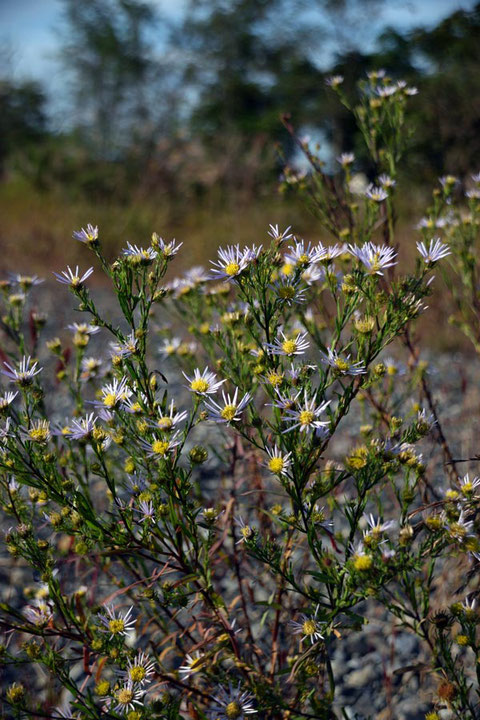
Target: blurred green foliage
pixel 194 109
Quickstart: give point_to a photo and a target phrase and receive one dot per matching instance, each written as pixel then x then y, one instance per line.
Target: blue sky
pixel 27 28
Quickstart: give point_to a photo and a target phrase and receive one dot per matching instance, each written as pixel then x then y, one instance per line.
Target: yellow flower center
pixel 199 385
pixel 233 710
pixel 276 464
pixel 341 365
pixel 38 434
pixel 228 412
pixel 289 347
pixel 165 423
pixel 246 531
pixel 287 269
pixel 196 664
pixel 75 281
pixel 362 562
pixel 137 673
pixel 467 487
pixel 286 292
pixel 458 530
pixel 275 379
pixel 306 417
pixel 110 400
pixel 160 447
pixel 309 627
pixel 303 258
pixel 391 370
pixel 232 268
pixel 125 696
pixel 116 626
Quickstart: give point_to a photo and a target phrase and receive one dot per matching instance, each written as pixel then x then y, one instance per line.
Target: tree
pixel 109 54
pixel 23 117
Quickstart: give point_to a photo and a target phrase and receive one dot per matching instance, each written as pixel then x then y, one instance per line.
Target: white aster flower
pixel 434 252
pixel 230 411
pixel 345 159
pixel 39 432
pixel 169 420
pixel 278 462
pixel 139 254
pixel 461 528
pixel 193 664
pixel 377 194
pixel 117 623
pixel 374 257
pixel 25 281
pixel 386 91
pixel 376 527
pixel 313 274
pixel 147 511
pixel 468 486
pixel 334 81
pixel 139 669
pixel 309 627
pixel 7 399
pixel 159 447
pixel 469 607
pixel 280 236
pixel 115 393
pixel 327 254
pixel 231 704
pixel 386 181
pixel 40 613
pixel 24 374
pixel 170 346
pixel 342 364
pixel 84 328
pixel 473 194
pixel 300 254
pixel 289 346
pixel 203 383
pixel 289 290
pixel 127 698
pixel 81 429
pixel 247 532
pixel 5 431
pixel 168 249
pixel 88 236
pixel 305 417
pixel 90 367
pixel 231 262
pixel 126 348
pixel 73 279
